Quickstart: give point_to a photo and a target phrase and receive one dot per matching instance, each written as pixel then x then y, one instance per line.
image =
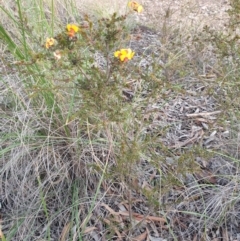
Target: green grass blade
pixel 22 29
pixel 13 48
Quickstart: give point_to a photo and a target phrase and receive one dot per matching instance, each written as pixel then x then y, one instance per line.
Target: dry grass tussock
pixel 155 158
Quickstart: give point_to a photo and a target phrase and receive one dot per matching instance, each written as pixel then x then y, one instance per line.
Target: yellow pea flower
pixel 72 29
pixel 135 6
pixel 124 54
pixel 49 42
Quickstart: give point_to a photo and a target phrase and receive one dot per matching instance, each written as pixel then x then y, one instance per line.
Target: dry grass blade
pixel 138 217
pixel 89 229
pixel 225 234
pixel 65 232
pixel 119 235
pixel 141 237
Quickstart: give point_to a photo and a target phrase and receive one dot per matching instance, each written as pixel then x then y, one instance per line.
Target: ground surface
pixel 196 12
pixel 192 115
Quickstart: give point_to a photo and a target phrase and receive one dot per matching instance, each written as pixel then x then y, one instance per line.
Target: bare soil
pixel 195 13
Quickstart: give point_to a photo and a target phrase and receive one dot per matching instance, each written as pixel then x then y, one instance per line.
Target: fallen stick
pixel 202 114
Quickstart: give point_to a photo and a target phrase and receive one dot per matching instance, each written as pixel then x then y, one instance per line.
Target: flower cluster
pixel 49 42
pixel 124 54
pixel 72 29
pixel 135 6
pixel 127 54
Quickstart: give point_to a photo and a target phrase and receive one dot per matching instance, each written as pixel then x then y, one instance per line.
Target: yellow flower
pixel 135 6
pixel 124 54
pixel 72 29
pixel 49 42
